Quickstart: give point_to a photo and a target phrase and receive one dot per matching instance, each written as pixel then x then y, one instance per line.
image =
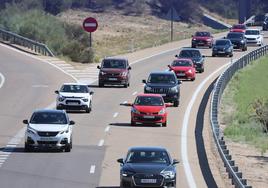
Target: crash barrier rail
pixel 234 174
pixel 13 38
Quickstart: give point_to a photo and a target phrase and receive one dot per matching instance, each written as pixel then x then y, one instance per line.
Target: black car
pixel 265 24
pixel 164 83
pixel 238 40
pixel 147 167
pixel 222 47
pixel 195 55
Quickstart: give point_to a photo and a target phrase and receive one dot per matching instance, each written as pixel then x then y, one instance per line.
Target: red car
pixel 202 38
pixel 148 109
pixel 241 28
pixel 183 68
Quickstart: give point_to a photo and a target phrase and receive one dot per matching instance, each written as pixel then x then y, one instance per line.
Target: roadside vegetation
pixel 245 106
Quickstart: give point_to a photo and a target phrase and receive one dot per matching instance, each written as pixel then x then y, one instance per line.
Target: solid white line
pixel 184 151
pixel 115 114
pixel 92 169
pixel 107 129
pixel 2 80
pixel 124 102
pixel 134 93
pixel 101 142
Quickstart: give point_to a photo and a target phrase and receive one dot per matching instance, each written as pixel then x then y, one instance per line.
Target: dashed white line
pixel 92 169
pixel 124 102
pixel 2 160
pixel 101 142
pixel 107 129
pixel 115 114
pixel 134 93
pixel 2 80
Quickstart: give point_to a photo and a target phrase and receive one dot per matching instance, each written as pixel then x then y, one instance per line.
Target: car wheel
pixel 88 109
pixel 213 55
pixel 231 55
pixel 68 147
pixel 164 124
pixel 193 79
pixel 132 123
pixel 101 84
pixel 176 103
pixel 244 49
pixel 125 85
pixel 27 148
pixel 193 46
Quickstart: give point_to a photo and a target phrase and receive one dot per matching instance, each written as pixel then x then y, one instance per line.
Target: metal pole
pixel 171 24
pixel 90 40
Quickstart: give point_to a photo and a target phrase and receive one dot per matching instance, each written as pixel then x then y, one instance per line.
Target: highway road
pixel 104 135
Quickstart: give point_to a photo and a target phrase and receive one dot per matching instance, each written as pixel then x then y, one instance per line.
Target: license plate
pixel 220 52
pixel 181 74
pixel 72 103
pixel 112 79
pixel 46 139
pixel 148 180
pixel 149 117
pixel 163 94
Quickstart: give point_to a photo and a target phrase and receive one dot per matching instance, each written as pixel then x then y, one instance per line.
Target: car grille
pixel 113 74
pixel 47 134
pixel 47 142
pixel 139 178
pixel 145 113
pixel 142 118
pixel 160 90
pixel 72 101
pixel 251 39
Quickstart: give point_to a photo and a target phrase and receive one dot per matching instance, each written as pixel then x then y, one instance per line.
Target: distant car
pixel 164 83
pixel 183 68
pixel 74 96
pixel 195 55
pixel 259 19
pixel 147 167
pixel 254 36
pixel 202 38
pixel 222 47
pixel 241 28
pixel 114 71
pixel 48 129
pixel 238 40
pixel 148 109
pixel 265 24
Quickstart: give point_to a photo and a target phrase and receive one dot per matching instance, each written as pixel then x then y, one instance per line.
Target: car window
pixel 162 78
pixel 181 63
pixel 149 101
pixel 235 35
pixel 148 157
pixel 114 63
pixel 48 118
pixel 74 89
pixel 252 32
pixel 239 27
pixel 222 42
pixel 202 34
pixel 190 54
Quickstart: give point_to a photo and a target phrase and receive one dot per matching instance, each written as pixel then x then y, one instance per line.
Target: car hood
pixel 252 36
pixel 161 85
pixel 145 168
pixel 48 127
pixel 110 70
pixel 197 59
pixel 74 95
pixel 221 46
pixel 238 30
pixel 235 39
pixel 178 68
pixel 201 38
pixel 148 109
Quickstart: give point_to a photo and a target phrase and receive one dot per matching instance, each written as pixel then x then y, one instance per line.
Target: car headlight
pixel 135 111
pixel 127 173
pixel 190 71
pixel 147 88
pixel 168 174
pixel 102 73
pixel 61 98
pixel 242 41
pixel 161 112
pixel 31 131
pixel 65 131
pixel 85 99
pixel 258 37
pixel 124 74
pixel 174 89
pixel 194 39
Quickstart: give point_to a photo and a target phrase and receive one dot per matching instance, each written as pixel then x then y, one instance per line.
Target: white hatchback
pixel 48 129
pixel 254 36
pixel 74 96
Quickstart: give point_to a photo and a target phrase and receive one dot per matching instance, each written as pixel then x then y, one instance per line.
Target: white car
pixel 254 36
pixel 74 96
pixel 48 129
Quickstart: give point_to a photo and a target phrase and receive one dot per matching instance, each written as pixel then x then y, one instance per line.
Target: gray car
pixel 222 47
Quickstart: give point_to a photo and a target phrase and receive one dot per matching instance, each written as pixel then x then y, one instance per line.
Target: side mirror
pixel 25 121
pixel 57 92
pixel 144 81
pixel 129 68
pixel 169 67
pixel 179 81
pixel 120 161
pixel 91 92
pixel 175 161
pixel 203 56
pixel 126 104
pixel 168 104
pixel 98 67
pixel 176 55
pixel 192 35
pixel 71 122
pixel 224 37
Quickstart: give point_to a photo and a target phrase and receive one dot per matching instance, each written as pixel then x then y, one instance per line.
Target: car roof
pixel 223 40
pixel 75 83
pixel 188 48
pixel 49 110
pixel 115 58
pixel 149 95
pixel 149 148
pixel 162 72
pixel 253 29
pixel 183 59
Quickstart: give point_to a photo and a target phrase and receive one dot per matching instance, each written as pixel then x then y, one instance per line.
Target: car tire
pixel 231 55
pixel 193 46
pixel 88 109
pixel 27 148
pixel 244 49
pixel 213 55
pixel 68 147
pixel 125 85
pixel 132 123
pixel 193 79
pixel 176 103
pixel 101 84
pixel 164 124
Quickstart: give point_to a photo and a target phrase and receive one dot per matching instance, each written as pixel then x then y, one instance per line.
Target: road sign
pixel 90 24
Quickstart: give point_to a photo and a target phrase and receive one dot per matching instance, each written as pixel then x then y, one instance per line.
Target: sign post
pixel 90 25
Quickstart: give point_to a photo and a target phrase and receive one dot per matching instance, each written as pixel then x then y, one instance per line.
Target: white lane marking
pixel 10 146
pixel 101 142
pixel 3 155
pixel 134 93
pixel 3 158
pixel 184 151
pixel 2 80
pixel 124 102
pixel 115 114
pixel 92 169
pixel 107 129
pixel 38 86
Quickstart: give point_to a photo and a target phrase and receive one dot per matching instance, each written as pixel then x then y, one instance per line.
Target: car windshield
pixel 235 35
pixel 162 78
pixel 48 118
pixel 222 42
pixel 114 63
pixel 239 27
pixel 190 54
pixel 252 32
pixel 202 34
pixel 148 157
pixel 149 101
pixel 74 89
pixel 181 63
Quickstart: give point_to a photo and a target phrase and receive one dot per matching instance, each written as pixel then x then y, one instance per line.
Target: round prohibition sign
pixel 90 24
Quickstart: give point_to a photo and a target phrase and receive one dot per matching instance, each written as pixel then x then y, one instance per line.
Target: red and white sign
pixel 90 24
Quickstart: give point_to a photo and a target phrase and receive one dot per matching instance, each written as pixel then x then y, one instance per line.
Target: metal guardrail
pixel 25 42
pixel 237 180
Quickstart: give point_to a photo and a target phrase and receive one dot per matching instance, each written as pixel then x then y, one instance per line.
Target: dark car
pixel 114 71
pixel 202 38
pixel 195 55
pixel 259 19
pixel 265 24
pixel 222 47
pixel 164 83
pixel 147 167
pixel 238 40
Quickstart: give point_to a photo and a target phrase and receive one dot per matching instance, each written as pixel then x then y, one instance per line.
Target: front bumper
pixel 113 80
pixel 201 43
pixel 148 118
pixel 221 52
pixel 186 75
pixel 72 104
pixel 254 41
pixel 238 45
